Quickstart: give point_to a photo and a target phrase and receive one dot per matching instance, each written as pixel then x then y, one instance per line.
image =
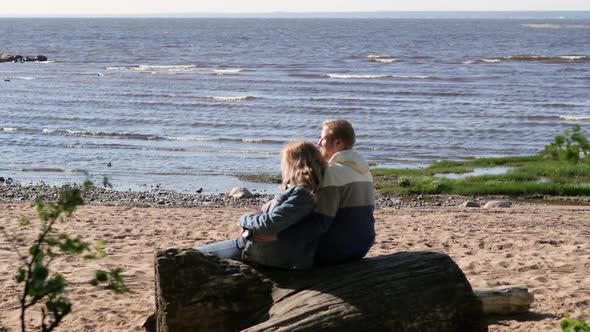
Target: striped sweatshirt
pixel 343 215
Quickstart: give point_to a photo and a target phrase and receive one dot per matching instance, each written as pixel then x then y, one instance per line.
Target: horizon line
pixel 292 14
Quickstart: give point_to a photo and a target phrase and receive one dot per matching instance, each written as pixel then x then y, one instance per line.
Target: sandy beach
pixel 543 247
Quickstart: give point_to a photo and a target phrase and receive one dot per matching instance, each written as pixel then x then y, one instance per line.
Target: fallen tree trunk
pixel 411 291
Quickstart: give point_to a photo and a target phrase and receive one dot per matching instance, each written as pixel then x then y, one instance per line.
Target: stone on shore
pixel 470 204
pixel 497 204
pixel 240 192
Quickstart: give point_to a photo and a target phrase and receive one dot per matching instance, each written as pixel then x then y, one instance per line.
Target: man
pixel 344 202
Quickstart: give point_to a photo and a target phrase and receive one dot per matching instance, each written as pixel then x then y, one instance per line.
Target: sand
pixel 543 247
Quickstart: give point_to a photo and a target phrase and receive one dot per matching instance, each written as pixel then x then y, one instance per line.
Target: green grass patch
pixel 528 175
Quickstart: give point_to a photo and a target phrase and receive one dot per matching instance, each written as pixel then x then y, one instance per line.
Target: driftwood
pixel 411 291
pixel 505 300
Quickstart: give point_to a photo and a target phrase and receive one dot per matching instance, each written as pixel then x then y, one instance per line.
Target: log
pixel 505 300
pixel 409 291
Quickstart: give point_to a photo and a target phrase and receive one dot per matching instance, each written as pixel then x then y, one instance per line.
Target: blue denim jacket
pixel 288 208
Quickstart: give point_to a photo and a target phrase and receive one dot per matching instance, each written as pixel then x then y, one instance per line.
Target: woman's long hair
pixel 302 164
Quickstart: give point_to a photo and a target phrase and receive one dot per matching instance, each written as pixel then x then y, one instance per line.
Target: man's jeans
pixel 231 249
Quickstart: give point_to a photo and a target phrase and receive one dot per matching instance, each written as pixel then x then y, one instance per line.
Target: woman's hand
pixel 265 207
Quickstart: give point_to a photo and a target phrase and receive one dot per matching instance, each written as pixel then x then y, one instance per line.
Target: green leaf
pixel 100 249
pixel 52 242
pixel 106 182
pixel 113 278
pixel 56 284
pixel 88 184
pixel 24 221
pixel 69 200
pixel 21 275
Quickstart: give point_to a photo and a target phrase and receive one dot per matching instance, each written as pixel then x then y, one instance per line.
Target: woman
pixel 302 167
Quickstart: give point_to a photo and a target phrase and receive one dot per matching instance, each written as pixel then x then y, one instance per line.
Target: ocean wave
pixel 154 68
pixel 222 139
pixel 14 78
pixel 227 71
pixel 557 58
pixel 345 76
pixel 381 58
pixel 376 76
pixel 542 26
pixel 435 94
pixel 555 26
pixel 229 98
pixel 534 58
pixel 52 170
pixel 539 117
pixel 559 105
pixel 146 137
pixel 98 134
pixel 482 61
pixel 581 118
pixel 307 75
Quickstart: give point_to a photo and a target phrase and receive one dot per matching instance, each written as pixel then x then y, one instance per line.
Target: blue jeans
pixel 231 249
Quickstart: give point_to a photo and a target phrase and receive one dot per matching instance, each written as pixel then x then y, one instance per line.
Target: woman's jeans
pixel 231 249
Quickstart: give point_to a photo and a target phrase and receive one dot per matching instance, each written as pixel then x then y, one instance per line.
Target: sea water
pixel 189 103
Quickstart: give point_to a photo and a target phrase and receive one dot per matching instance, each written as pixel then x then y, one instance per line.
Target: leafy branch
pixel 571 146
pixel 42 286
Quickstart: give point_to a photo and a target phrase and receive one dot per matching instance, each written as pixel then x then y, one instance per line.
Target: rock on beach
pixel 8 57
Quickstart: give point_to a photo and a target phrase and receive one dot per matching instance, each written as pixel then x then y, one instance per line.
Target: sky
pixel 147 7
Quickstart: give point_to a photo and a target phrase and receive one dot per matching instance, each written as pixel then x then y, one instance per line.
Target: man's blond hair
pixel 342 130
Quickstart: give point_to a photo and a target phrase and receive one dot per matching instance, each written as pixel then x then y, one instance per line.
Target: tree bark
pixel 410 291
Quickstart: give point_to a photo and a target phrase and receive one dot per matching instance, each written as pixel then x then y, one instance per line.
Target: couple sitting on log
pixel 323 214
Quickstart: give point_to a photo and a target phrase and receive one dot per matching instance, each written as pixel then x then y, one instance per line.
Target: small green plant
pixel 40 285
pixel 570 146
pixel 574 325
pixel 404 182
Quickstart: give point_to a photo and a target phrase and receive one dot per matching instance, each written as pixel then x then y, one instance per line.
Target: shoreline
pixel 162 198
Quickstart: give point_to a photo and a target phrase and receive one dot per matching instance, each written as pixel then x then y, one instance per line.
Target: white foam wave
pixel 482 60
pixel 385 60
pixel 26 78
pixel 227 71
pixel 542 26
pixel 573 57
pixel 230 98
pixel 9 129
pixel 190 139
pixel 344 76
pixel 381 58
pixel 154 68
pixel 574 118
pixel 369 76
